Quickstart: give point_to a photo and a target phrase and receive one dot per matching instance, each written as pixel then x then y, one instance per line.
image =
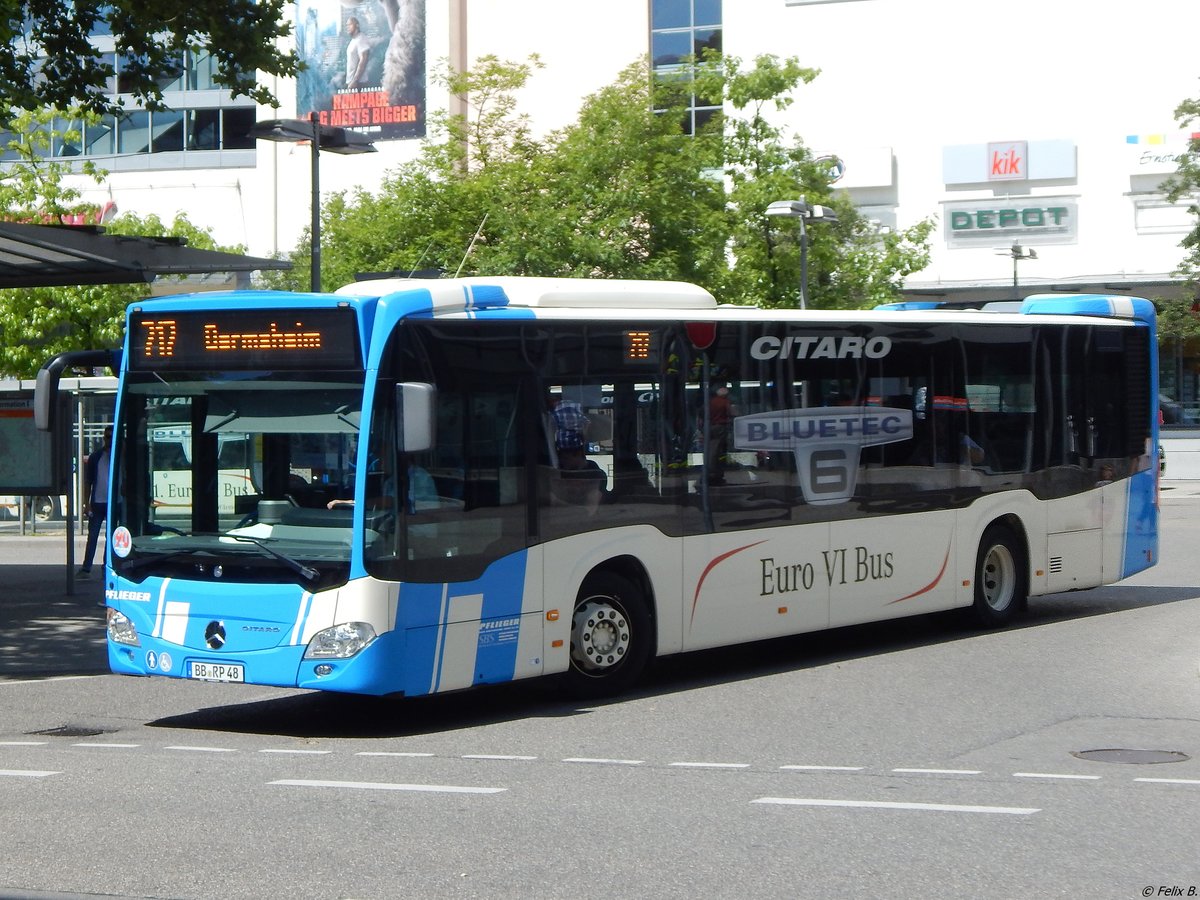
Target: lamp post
pixel 1018 253
pixel 805 212
pixel 319 137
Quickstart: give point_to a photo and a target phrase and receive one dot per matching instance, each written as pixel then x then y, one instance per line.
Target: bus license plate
pixel 208 671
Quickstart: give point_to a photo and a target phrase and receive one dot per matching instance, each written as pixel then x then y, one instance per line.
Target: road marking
pixel 937 771
pixel 204 749
pixel 378 786
pixel 389 753
pixel 23 743
pixel 26 773
pixel 878 804
pixel 104 745
pixel 605 762
pixel 297 752
pixel 712 765
pixel 500 756
pixel 824 768
pixel 1053 775
pixel 1169 780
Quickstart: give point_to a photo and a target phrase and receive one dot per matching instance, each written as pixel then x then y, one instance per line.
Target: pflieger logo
pixel 214 635
pixel 826 442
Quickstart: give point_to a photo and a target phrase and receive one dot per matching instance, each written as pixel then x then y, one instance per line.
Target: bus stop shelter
pixel 57 255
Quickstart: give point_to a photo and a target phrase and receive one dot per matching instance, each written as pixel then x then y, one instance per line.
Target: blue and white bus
pixel 467 481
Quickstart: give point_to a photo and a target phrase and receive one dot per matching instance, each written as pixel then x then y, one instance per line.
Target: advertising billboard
pixel 364 66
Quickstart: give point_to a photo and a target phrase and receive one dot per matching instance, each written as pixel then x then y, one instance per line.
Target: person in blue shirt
pixel 95 504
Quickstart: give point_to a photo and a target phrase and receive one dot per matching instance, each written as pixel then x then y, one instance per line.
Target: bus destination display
pixel 244 339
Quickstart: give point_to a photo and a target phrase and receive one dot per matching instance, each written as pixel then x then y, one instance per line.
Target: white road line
pixel 937 771
pixel 23 743
pixel 712 765
pixel 389 753
pixel 608 762
pixel 377 786
pixel 824 768
pixel 204 749
pixel 104 745
pixel 297 752
pixel 1169 780
pixel 1054 775
pixel 501 756
pixel 877 804
pixel 26 773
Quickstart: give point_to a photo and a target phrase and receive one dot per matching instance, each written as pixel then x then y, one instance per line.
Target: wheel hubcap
pixel 600 635
pixel 998 577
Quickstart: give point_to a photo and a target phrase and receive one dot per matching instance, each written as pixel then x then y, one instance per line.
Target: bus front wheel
pixel 610 636
pixel 1000 574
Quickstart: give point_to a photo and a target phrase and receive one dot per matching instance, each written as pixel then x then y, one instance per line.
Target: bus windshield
pixel 249 475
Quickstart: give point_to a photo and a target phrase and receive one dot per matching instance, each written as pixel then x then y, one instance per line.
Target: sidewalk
pixel 45 631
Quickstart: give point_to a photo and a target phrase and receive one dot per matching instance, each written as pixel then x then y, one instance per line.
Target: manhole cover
pixel 1133 757
pixel 69 731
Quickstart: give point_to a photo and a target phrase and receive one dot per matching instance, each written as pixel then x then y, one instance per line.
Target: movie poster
pixel 365 65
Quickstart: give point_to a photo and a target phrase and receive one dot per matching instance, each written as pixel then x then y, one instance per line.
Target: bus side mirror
pixel 415 418
pixel 45 396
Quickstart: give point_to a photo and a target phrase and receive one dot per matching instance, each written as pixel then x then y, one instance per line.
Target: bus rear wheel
pixel 1000 577
pixel 610 636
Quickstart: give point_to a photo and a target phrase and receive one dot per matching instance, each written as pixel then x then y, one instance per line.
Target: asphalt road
pixel 906 759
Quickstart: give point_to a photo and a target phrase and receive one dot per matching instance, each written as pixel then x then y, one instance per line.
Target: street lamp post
pixel 319 137
pixel 1018 253
pixel 805 212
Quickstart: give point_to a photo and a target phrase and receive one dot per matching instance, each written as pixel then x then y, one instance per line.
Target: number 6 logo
pixel 826 442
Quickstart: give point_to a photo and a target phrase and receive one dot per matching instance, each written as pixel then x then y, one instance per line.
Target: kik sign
pixel 1008 161
pixel 826 442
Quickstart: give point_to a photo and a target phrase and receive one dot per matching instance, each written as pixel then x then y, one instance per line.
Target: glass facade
pixel 202 116
pixel 681 30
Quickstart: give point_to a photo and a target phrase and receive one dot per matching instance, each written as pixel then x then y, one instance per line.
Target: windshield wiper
pixel 306 572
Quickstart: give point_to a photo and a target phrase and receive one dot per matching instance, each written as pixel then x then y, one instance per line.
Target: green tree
pixel 1186 183
pixel 47 58
pixel 623 192
pixel 851 262
pixel 1177 322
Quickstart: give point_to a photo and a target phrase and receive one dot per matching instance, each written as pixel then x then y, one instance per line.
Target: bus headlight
pixel 340 641
pixel 121 630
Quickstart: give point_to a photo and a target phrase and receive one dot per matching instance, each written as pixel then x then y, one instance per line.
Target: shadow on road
pixel 327 715
pixel 43 630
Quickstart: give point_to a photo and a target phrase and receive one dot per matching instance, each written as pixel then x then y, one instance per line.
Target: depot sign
pixel 973 223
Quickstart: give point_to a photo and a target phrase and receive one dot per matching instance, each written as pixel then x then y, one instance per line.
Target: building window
pixel 680 30
pixel 166 131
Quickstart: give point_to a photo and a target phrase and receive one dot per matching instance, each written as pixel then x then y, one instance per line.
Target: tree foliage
pixel 47 58
pixel 624 192
pixel 1186 183
pixel 1177 318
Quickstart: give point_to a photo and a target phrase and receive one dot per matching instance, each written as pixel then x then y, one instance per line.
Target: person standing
pixel 358 53
pixel 95 506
